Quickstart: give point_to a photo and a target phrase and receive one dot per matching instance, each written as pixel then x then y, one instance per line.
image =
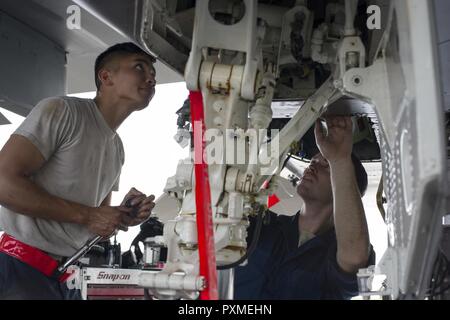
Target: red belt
pixel 32 256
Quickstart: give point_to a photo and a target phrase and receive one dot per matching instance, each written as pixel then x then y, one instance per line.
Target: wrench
pixel 88 245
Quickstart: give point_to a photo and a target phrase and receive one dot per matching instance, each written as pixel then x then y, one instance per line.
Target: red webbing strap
pixel 205 232
pixel 29 255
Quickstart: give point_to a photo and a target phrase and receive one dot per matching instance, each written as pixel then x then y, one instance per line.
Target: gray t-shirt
pixel 84 157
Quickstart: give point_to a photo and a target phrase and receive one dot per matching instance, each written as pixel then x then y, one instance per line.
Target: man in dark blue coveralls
pixel 317 253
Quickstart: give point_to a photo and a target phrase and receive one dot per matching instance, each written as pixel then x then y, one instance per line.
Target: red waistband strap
pixel 32 256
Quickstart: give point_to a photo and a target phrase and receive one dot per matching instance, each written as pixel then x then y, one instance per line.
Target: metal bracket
pixel 209 33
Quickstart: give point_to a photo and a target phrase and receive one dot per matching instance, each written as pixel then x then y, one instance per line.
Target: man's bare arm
pixel 349 218
pixel 352 234
pixel 19 160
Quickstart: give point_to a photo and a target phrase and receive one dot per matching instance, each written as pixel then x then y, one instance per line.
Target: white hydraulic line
pixel 171 281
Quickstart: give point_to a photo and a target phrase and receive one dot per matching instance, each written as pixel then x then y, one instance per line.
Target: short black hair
pixel 114 51
pixel 361 175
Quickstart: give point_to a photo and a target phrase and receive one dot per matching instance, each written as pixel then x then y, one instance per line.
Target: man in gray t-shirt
pixel 59 168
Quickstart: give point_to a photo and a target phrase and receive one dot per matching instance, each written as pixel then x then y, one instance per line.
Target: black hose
pixel 252 246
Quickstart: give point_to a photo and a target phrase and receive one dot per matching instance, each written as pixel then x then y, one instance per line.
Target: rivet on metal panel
pixel 357 80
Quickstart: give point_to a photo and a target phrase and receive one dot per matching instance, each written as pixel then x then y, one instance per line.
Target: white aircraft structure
pixel 260 74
